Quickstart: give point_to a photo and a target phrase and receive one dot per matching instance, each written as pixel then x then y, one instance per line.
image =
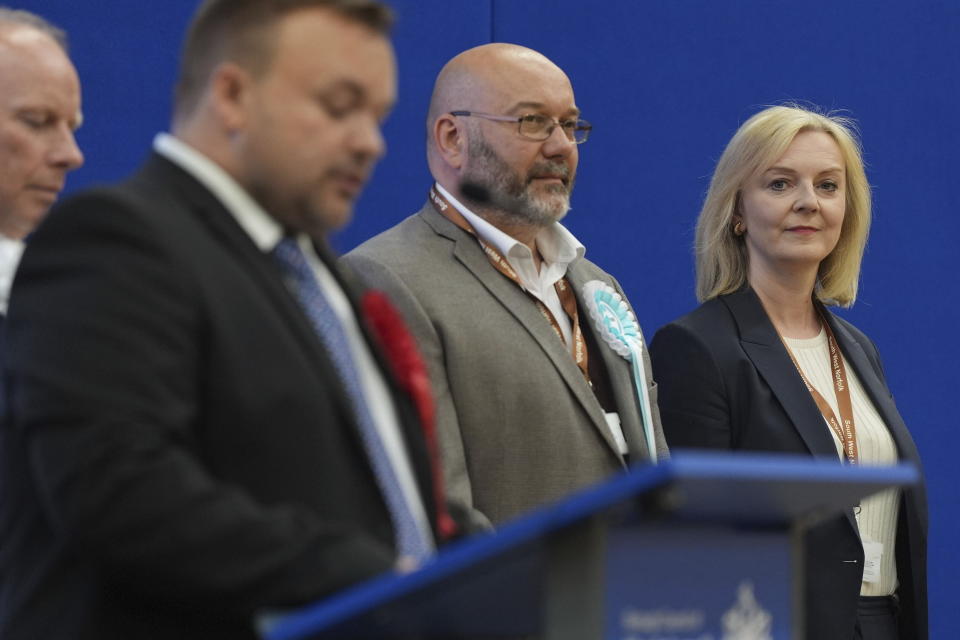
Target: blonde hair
pixel 721 255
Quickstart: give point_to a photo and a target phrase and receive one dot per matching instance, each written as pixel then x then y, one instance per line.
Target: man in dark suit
pixel 39 111
pixel 199 428
pixel 533 400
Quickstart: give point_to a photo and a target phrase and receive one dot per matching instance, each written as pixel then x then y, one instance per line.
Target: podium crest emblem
pixel 746 620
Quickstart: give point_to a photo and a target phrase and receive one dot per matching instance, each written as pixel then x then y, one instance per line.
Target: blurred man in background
pixel 200 427
pixel 39 112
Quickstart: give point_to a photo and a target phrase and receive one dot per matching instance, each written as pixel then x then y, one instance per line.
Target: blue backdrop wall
pixel 665 83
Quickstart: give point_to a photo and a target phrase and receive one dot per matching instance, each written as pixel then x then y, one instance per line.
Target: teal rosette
pixel 618 328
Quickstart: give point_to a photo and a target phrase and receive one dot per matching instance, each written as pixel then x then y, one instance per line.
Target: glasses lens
pixel 582 131
pixel 535 126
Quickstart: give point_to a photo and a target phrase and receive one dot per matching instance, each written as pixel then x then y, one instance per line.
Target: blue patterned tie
pixel 410 539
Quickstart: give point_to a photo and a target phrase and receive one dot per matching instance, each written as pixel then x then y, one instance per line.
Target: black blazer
pixel 178 452
pixel 726 382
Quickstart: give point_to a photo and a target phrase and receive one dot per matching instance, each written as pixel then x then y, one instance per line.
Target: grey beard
pixel 510 198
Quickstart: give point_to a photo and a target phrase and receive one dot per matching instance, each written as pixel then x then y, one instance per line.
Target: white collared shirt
pixel 557 246
pixel 878 514
pixel 11 251
pixel 266 233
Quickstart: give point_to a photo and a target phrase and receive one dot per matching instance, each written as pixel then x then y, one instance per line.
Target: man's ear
pixel 450 141
pixel 230 94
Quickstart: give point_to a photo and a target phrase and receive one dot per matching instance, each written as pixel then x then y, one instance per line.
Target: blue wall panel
pixel 665 84
pixel 126 55
pixel 428 33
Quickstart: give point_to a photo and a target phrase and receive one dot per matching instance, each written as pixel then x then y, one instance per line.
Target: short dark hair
pixel 241 30
pixel 10 16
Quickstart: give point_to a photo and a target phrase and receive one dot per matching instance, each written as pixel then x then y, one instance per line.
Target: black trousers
pixel 877 618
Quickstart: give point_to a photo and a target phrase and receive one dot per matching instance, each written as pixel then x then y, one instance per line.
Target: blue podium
pixel 701 547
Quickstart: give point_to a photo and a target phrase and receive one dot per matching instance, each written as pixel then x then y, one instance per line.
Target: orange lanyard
pixel 844 428
pixel 567 299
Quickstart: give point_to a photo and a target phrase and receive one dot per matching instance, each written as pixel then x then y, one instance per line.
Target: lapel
pixel 261 268
pixel 211 213
pixel 871 379
pixel 408 419
pixel 469 253
pixel 876 388
pixel 619 370
pixel 763 346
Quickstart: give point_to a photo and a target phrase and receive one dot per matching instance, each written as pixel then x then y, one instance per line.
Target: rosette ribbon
pixel 410 372
pixel 619 330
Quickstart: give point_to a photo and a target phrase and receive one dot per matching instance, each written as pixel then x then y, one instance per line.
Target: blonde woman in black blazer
pixel 781 235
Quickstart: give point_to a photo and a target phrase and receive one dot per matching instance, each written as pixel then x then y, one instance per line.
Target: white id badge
pixel 872 553
pixel 613 423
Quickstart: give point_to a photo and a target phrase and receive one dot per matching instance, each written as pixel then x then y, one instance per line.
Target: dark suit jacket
pixel 727 382
pixel 178 451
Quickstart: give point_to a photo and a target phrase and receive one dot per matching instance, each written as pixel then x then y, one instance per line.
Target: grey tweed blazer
pixel 518 425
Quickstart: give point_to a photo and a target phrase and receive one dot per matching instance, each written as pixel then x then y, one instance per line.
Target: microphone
pixel 476 192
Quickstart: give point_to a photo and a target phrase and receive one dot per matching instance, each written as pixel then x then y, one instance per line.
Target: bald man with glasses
pixel 535 398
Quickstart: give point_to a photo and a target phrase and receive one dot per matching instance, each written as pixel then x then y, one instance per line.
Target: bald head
pixel 39 111
pixel 13 18
pixel 492 76
pixel 498 78
pixel 527 178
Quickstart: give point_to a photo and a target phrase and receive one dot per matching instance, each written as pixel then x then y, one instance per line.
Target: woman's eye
pixel 778 185
pixel 829 185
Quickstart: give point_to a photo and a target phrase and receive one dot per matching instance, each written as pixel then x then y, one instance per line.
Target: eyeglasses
pixel 537 127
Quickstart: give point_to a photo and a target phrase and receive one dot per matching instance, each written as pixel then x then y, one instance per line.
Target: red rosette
pixel 410 372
